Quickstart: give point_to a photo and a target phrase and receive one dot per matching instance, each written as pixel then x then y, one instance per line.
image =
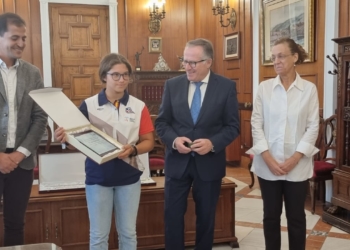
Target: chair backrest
pixel 326 140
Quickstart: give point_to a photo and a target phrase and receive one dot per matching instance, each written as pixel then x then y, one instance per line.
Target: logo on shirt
pixel 128 110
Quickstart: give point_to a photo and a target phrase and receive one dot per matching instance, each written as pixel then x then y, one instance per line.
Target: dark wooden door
pixel 37 224
pixel 70 224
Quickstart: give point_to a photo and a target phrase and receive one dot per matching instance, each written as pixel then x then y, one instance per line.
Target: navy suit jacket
pixel 218 121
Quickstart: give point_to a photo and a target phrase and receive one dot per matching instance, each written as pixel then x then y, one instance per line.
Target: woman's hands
pixel 272 164
pixel 60 135
pixel 127 150
pixel 291 162
pixel 281 168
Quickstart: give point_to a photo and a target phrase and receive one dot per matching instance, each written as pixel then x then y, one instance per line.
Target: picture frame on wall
pixel 154 44
pixel 287 18
pixel 231 46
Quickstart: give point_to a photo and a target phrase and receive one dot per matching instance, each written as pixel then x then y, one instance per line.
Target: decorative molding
pixel 347 114
pixel 153 108
pixel 340 65
pixel 143 75
pixel 346 48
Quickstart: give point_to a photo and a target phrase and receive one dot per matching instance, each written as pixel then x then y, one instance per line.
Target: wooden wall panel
pixel 29 10
pixel 174 31
pixel 314 69
pixel 344 18
pixel 9 6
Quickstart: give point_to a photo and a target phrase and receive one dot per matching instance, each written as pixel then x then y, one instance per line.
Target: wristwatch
pixel 135 150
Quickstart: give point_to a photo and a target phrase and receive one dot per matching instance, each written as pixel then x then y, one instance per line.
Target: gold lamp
pixel 156 15
pixel 221 7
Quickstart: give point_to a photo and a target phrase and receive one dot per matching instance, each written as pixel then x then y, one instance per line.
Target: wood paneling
pixel 174 31
pixel 344 18
pixel 29 10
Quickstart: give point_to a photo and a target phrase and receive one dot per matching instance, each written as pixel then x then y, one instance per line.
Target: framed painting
pixel 287 18
pixel 231 46
pixel 154 44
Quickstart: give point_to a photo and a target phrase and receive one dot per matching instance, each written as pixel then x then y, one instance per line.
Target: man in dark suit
pixel 197 119
pixel 22 124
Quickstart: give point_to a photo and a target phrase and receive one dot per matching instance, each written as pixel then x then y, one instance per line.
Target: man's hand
pixel 6 163
pixel 180 145
pixel 17 157
pixel 202 146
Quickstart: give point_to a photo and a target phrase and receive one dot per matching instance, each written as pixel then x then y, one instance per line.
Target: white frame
pixel 45 30
pixel 45 33
pixel 158 49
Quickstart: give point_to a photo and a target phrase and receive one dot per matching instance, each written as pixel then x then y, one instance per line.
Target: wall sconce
pixel 156 16
pixel 221 7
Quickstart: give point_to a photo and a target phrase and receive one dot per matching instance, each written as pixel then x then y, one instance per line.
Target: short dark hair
pixel 109 61
pixel 205 44
pixel 10 18
pixel 294 48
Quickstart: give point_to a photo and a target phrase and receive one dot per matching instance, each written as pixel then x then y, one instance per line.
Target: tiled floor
pixel 249 216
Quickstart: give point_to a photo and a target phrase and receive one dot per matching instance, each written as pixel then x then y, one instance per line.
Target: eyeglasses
pixel 192 64
pixel 116 76
pixel 279 57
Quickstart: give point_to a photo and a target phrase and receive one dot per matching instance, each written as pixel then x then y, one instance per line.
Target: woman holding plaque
pixel 116 183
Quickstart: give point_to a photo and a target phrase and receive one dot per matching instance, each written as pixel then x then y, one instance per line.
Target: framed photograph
pixel 154 44
pixel 287 18
pixel 231 46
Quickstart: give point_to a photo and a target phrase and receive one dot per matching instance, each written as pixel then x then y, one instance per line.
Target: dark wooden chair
pixel 156 156
pixel 251 157
pixel 323 163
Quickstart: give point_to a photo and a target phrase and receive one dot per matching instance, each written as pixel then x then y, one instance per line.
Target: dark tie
pixel 196 102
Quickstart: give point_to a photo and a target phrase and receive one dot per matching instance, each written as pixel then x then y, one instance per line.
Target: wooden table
pixel 62 218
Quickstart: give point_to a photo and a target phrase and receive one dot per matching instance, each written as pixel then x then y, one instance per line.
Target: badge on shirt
pixel 128 110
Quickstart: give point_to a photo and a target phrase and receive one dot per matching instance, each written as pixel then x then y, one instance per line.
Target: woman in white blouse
pixel 285 123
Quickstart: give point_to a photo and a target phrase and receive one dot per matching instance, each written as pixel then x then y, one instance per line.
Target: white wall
pixel 330 86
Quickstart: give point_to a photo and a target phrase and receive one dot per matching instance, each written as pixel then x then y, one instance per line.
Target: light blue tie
pixel 196 102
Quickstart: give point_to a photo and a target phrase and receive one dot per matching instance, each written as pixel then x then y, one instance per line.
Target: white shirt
pixel 203 88
pixel 284 122
pixel 191 89
pixel 9 76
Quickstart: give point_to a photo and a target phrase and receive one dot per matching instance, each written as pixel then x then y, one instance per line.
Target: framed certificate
pixel 95 142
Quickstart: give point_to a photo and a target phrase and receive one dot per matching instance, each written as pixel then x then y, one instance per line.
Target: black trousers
pixel 15 190
pixel 205 195
pixel 293 194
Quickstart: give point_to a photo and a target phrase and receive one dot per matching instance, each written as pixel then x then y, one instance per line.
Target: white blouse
pixel 284 122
